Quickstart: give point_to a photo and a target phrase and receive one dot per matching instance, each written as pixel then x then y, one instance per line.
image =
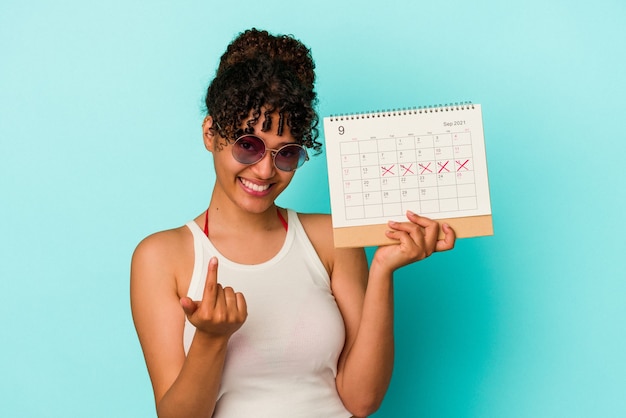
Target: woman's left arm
pixel 365 300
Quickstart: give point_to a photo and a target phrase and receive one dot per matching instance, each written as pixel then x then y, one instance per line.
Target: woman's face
pixel 254 187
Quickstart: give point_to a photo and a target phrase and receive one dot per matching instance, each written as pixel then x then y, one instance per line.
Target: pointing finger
pixel 210 286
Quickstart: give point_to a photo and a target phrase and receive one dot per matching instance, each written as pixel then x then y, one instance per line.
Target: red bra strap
pixel 282 219
pixel 206 221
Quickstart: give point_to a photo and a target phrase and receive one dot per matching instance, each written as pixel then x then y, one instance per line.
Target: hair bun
pixel 284 48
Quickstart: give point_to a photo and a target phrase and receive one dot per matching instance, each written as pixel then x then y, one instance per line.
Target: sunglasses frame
pixel 274 152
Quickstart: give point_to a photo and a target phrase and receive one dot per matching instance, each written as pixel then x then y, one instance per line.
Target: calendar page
pixel 431 161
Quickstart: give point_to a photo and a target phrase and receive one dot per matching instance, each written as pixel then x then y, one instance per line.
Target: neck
pixel 225 216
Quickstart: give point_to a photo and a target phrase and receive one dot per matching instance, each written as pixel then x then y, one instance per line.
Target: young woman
pixel 249 310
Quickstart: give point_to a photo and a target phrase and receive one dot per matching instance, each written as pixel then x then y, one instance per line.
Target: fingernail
pixel 409 212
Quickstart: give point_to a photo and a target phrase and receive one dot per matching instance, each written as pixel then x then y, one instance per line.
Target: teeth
pixel 255 187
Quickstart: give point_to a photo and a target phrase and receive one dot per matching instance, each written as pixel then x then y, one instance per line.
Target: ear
pixel 208 135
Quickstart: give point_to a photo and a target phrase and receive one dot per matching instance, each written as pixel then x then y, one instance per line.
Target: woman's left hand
pixel 417 240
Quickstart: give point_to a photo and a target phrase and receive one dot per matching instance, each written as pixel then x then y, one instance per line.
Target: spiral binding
pixel 451 107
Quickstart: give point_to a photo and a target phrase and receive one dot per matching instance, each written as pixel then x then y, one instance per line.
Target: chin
pixel 257 206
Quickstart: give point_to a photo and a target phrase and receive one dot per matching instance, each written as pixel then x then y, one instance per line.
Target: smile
pixel 253 186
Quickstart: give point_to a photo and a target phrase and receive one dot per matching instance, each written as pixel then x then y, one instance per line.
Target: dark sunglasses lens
pixel 290 157
pixel 248 149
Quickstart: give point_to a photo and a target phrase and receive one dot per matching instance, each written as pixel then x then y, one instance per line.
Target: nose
pixel 264 168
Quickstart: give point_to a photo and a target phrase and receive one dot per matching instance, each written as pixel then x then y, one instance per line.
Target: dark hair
pixel 264 73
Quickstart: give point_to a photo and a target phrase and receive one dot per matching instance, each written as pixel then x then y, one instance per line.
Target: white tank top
pixel 283 361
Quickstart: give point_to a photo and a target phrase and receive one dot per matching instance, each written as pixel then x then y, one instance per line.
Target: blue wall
pixel 100 145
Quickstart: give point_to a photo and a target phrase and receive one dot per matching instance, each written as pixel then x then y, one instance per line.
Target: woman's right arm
pixel 183 385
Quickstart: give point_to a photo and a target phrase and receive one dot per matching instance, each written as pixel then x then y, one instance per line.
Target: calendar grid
pixel 385 177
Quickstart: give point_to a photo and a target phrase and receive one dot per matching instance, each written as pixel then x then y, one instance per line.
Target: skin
pixel 163 262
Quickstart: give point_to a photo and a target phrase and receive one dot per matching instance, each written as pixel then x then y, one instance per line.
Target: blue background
pixel 100 145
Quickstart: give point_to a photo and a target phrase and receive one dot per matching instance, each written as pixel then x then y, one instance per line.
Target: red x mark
pixel 407 169
pixel 443 167
pixel 462 165
pixel 425 168
pixel 388 170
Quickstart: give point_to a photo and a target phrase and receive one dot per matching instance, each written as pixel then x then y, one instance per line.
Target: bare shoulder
pixel 317 225
pixel 319 229
pixel 163 255
pixel 158 247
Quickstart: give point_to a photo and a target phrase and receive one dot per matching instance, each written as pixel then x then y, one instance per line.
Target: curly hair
pixel 260 74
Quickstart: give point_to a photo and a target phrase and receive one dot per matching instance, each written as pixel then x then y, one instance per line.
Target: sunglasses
pixel 250 149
